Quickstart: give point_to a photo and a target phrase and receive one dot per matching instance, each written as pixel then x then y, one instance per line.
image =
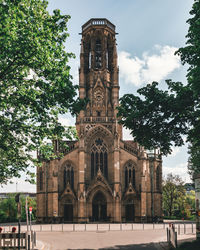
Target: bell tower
pixel 98 76
pixel 100 177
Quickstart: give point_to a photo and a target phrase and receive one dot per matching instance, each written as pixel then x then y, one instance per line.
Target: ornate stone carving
pixel 98 97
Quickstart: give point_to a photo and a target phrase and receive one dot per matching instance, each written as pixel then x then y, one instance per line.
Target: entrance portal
pixel 99 207
pixel 129 210
pixel 68 212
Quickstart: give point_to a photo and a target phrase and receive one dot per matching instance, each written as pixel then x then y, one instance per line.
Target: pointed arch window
pixel 89 57
pixel 99 158
pixel 129 174
pixel 109 53
pixel 68 175
pixel 158 178
pixel 98 53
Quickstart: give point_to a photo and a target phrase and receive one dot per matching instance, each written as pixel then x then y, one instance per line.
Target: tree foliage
pixel 160 119
pixel 176 201
pixel 173 194
pixel 35 83
pixel 8 208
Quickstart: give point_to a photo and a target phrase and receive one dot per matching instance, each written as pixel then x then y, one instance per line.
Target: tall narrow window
pixel 89 60
pixel 106 59
pixel 109 53
pixel 98 52
pixel 129 174
pixel 72 178
pixel 126 177
pixel 101 161
pixel 40 180
pixel 133 177
pixel 65 175
pixel 68 175
pixel 92 165
pixel 158 183
pixel 99 158
pixel 106 164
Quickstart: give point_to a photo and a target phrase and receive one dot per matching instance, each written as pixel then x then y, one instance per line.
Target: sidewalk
pixel 106 240
pixel 181 239
pixel 41 245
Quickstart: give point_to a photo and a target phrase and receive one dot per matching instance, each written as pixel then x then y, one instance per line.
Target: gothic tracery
pixel 99 158
pixel 102 177
pixel 129 174
pixel 68 175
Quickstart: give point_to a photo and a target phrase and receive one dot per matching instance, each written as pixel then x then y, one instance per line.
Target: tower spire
pixel 98 74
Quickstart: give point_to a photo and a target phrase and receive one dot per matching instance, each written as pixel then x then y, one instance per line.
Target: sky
pixel 149 32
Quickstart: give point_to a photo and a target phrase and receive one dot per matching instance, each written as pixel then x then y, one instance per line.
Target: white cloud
pixel 130 68
pixel 18 185
pixel 175 151
pixel 127 134
pixel 66 121
pixel 74 64
pixel 179 169
pixel 149 68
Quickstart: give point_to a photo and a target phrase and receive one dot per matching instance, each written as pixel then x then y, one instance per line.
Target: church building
pixel 101 177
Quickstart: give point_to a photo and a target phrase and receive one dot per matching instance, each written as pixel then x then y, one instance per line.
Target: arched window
pixel 109 53
pixel 99 158
pixel 68 175
pixel 129 174
pixel 98 52
pixel 126 177
pixel 87 53
pixel 158 178
pixel 133 177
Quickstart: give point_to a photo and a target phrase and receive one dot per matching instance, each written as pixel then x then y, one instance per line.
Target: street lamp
pixel 17 199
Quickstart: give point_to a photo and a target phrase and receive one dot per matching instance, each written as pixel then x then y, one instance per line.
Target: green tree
pixel 35 83
pixel 8 209
pixel 31 203
pixel 190 203
pixel 160 119
pixel 173 195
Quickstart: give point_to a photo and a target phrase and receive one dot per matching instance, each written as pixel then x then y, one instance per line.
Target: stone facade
pixel 101 177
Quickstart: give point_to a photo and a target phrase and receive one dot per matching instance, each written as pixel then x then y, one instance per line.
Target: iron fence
pixel 180 228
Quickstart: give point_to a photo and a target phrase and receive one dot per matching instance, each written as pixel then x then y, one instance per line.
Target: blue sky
pixel 149 33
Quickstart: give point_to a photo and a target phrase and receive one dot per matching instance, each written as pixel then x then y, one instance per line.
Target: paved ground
pixel 105 236
pixel 103 240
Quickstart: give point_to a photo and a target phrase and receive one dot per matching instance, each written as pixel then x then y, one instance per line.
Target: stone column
pixel 55 189
pixel 52 191
pixel 117 188
pixel 143 166
pixel 81 183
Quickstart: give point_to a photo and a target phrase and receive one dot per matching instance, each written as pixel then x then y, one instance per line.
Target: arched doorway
pixel 99 207
pixel 68 210
pixel 129 210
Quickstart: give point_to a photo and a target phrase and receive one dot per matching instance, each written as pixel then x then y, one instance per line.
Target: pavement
pixel 105 240
pixel 41 245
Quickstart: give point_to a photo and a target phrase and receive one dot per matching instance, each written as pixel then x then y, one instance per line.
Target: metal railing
pixel 98 21
pixel 180 228
pixel 9 240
